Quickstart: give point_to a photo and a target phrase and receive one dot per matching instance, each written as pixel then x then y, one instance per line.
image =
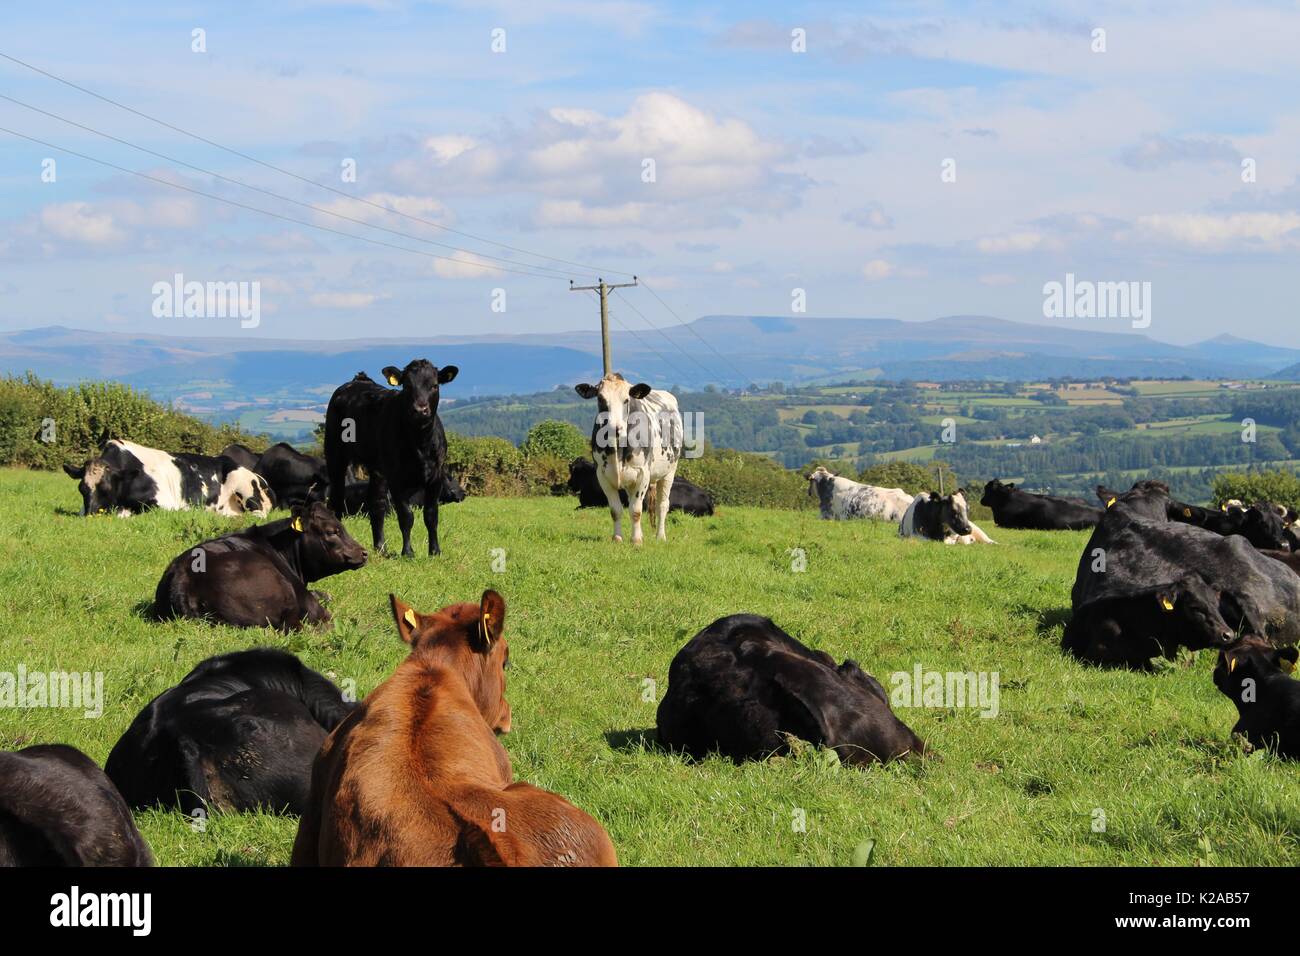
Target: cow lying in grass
pixel 238 733
pixel 1015 508
pixel 258 577
pixel 416 776
pixel 126 478
pixel 1256 677
pixel 357 493
pixel 57 808
pixel 1129 631
pixel 943 518
pixel 742 684
pixel 841 499
pixel 1260 524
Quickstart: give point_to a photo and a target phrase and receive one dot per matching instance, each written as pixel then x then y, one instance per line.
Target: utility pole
pixel 604 290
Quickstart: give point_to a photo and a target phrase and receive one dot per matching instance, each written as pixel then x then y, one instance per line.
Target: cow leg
pixel 663 489
pixel 377 505
pixel 615 504
pixel 405 521
pixel 636 501
pixel 431 517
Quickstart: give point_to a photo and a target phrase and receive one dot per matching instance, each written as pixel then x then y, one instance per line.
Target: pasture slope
pixel 588 621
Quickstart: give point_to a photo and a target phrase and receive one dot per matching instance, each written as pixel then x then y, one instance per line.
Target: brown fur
pixel 415 776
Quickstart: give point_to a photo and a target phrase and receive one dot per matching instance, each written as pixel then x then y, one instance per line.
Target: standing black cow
pixel 741 684
pixel 399 440
pixel 57 808
pixel 685 496
pixel 239 732
pixel 1016 508
pixel 1256 677
pixel 258 577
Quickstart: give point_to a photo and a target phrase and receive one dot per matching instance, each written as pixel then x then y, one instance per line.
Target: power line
pixel 681 375
pixel 743 377
pixel 274 195
pixel 267 212
pixel 253 159
pixel 672 342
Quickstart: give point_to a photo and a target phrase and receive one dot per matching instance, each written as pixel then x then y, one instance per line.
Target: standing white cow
pixel 636 443
pixel 840 498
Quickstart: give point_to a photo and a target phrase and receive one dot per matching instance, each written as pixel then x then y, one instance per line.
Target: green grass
pixel 590 621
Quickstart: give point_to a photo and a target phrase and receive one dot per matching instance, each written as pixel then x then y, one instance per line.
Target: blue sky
pixel 774 170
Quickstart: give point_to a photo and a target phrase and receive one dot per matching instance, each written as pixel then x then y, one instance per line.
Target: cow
pixel 258 577
pixel 1136 549
pixel 636 442
pixel 242 455
pixel 1256 676
pixel 126 478
pixel 238 733
pixel 357 493
pixel 57 808
pixel 1290 558
pixel 1130 630
pixel 415 776
pixel 1260 524
pixel 841 499
pixel 1015 508
pixel 943 518
pixel 686 496
pixel 397 437
pixel 294 477
pixel 742 684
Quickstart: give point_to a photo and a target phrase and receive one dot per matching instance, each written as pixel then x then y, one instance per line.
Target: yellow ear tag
pixel 1223 507
pixel 1187 512
pixel 297 525
pixel 409 617
pixel 1232 664
pixel 393 380
pixel 1167 604
pixel 1286 665
pixel 1110 501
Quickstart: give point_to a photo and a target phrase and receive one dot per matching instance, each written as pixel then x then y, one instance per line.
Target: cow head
pixel 244 492
pixel 821 485
pixel 451 492
pixel 614 400
pixel 953 511
pixel 102 485
pixel 1262 526
pixel 582 473
pixel 1198 610
pixel 1250 658
pixel 325 546
pixel 995 493
pixel 468 639
pixel 1147 499
pixel 419 381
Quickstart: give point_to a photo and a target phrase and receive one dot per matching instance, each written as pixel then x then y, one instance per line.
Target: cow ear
pixel 639 391
pixel 802 710
pixel 393 374
pixel 492 620
pixel 585 390
pixel 447 373
pixel 1166 598
pixel 406 617
pixel 75 473
pixel 298 516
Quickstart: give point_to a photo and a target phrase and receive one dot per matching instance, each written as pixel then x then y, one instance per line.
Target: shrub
pixel 556 439
pixel 1281 487
pixel 745 478
pixel 487 465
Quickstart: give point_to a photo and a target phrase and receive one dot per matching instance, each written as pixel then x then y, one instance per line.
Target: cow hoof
pixel 618 539
pixel 408 553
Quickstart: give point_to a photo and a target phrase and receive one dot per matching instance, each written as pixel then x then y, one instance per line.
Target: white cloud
pixel 1197 229
pixel 80 222
pixel 465 265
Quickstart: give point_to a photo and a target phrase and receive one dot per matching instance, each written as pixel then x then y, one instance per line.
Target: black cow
pixel 242 455
pixel 1016 508
pixel 295 478
pixel 742 683
pixel 357 493
pixel 57 808
pixel 1256 677
pixel 1130 630
pixel 1135 549
pixel 258 576
pixel 239 732
pixel 1290 558
pixel 1260 524
pixel 685 496
pixel 397 437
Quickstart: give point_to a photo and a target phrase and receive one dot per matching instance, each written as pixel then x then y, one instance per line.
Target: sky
pixel 899 160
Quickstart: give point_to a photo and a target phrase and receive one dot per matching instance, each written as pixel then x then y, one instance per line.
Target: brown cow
pixel 415 775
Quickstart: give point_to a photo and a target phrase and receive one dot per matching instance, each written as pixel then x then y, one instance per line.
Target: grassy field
pixel 590 622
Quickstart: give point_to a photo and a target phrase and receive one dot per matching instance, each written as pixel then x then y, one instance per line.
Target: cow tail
pixel 650 504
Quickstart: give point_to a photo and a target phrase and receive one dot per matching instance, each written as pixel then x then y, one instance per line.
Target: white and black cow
pixel 126 478
pixel 636 442
pixel 943 518
pixel 841 498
